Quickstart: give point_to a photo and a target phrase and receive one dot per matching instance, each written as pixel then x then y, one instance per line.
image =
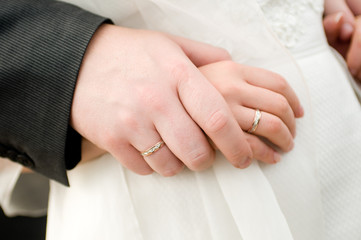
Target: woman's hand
pixel 248 88
pixel 343 31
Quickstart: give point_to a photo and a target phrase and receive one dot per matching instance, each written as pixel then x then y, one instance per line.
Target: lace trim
pixel 285 17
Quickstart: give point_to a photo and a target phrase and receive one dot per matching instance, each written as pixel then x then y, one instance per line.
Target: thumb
pixel 348 19
pixel 200 53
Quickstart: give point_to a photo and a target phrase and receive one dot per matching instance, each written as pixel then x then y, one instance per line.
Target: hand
pixel 137 87
pixel 248 88
pixel 343 31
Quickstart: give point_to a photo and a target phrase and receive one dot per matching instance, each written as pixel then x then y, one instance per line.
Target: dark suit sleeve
pixel 42 44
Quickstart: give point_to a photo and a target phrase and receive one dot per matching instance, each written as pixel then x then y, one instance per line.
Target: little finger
pixel 261 151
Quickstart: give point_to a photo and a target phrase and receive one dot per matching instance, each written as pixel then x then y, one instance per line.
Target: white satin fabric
pixel 313 193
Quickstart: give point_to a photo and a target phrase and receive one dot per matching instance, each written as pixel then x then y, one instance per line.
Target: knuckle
pixel 157 104
pixel 111 140
pixel 263 153
pixel 217 122
pixel 123 123
pixel 283 105
pixel 229 66
pixel 282 84
pixel 151 99
pixel 275 125
pixel 128 121
pixel 230 90
pixel 179 70
pixel 224 54
pixel 156 37
pixel 237 155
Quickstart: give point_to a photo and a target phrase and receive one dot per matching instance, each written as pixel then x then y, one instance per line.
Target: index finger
pixel 210 111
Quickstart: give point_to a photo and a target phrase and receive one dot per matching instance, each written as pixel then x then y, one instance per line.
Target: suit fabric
pixel 42 44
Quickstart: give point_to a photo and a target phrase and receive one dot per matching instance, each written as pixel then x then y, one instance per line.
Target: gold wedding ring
pixel 152 149
pixel 257 118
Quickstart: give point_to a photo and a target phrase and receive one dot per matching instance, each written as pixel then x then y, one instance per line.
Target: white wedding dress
pixel 314 193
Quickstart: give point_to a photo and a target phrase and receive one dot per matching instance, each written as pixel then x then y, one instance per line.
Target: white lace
pixel 285 17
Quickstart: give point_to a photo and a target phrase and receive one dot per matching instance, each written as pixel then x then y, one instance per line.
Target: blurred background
pixel 30 193
pixel 22 228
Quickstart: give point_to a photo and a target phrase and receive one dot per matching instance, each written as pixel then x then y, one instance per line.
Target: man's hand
pixel 138 87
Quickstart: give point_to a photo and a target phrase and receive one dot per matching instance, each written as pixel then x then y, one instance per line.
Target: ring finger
pixel 157 154
pixel 269 126
pixel 271 102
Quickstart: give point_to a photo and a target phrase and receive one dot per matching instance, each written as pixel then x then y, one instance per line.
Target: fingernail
pixel 276 157
pixel 346 31
pixel 291 146
pixel 245 162
pixel 300 111
pixel 338 17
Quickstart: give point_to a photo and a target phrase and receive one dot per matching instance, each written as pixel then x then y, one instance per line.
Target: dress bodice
pixel 293 21
pixel 289 19
pixel 296 23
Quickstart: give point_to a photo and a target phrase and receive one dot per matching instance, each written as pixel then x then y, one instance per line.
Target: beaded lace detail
pixel 285 17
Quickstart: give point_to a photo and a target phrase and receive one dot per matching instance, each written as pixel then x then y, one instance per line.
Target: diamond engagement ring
pixel 152 149
pixel 257 118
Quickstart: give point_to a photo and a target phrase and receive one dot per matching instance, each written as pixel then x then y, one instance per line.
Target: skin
pixel 244 90
pixel 137 87
pixel 343 30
